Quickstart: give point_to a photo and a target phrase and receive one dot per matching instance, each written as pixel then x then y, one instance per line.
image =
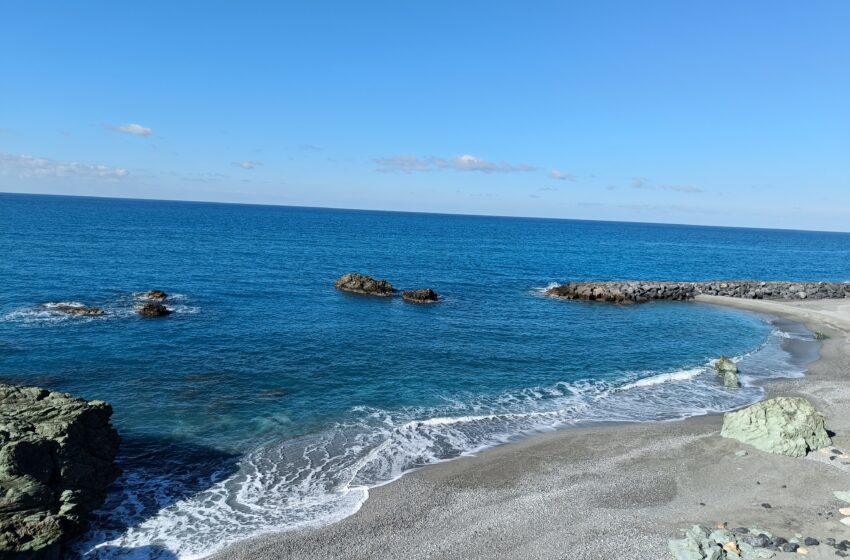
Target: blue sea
pixel 270 401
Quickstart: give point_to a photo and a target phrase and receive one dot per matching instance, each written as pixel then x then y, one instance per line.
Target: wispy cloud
pixel 247 164
pixel 34 167
pixel 644 183
pixel 410 164
pixel 132 129
pixel 561 176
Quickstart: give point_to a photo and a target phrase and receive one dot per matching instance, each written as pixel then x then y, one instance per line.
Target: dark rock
pixel 362 284
pixel 156 295
pixel 56 459
pixel 426 295
pixel 811 541
pixel 766 506
pixel 789 547
pixel 79 310
pixel 153 310
pixel 759 541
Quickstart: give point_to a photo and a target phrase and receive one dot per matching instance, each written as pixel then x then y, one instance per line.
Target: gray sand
pixel 616 491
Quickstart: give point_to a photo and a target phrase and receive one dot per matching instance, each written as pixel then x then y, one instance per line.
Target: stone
pixel 78 310
pixel 156 295
pixel 784 425
pixel 811 541
pixel 843 496
pixel 729 370
pixel 426 295
pixel 57 457
pixel 820 336
pixel 846 521
pixel 685 549
pixel 362 284
pixel 153 310
pixel 844 511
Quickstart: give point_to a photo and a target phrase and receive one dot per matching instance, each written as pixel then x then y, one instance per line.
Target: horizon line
pixel 458 214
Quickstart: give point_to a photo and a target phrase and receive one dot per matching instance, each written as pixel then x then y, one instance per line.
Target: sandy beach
pixel 604 492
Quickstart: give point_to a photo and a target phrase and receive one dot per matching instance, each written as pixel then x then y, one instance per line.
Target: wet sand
pixel 607 492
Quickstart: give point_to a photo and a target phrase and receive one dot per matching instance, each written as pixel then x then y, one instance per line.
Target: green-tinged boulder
pixel 784 425
pixel 728 370
pixel 843 496
pixel 685 549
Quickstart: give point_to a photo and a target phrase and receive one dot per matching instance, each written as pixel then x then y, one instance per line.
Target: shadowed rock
pixel 784 425
pixel 156 295
pixel 79 310
pixel 153 310
pixel 56 459
pixel 362 284
pixel 426 295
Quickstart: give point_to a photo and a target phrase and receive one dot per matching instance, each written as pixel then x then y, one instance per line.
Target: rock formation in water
pixel 78 310
pixel 153 310
pixel 640 292
pixel 729 370
pixel 57 457
pixel 156 295
pixel 362 284
pixel 425 295
pixel 784 425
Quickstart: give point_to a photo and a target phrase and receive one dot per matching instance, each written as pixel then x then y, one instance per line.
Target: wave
pixel 120 307
pixel 321 478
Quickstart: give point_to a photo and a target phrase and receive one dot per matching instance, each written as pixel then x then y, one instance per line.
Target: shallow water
pixel 270 401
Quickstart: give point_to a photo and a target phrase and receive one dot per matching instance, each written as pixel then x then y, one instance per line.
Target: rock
pixel 153 310
pixel 846 521
pixel 820 336
pixel 78 310
pixel 843 496
pixel 56 460
pixel 426 295
pixel 844 511
pixel 156 295
pixel 362 284
pixel 810 541
pixel 785 425
pixel 729 370
pixel 685 549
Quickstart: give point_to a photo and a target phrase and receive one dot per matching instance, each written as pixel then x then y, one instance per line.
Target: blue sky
pixel 726 113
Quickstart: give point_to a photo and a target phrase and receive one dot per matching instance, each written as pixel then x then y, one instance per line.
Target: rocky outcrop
pixel 640 292
pixel 362 284
pixel 729 370
pixel 57 457
pixel 156 295
pixel 153 310
pixel 426 295
pixel 784 425
pixel 78 310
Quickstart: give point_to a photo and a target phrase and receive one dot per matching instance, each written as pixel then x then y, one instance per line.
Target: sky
pixel 716 113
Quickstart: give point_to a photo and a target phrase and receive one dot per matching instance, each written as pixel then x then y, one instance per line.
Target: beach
pixel 609 491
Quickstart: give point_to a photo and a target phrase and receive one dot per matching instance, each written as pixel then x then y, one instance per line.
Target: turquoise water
pixel 270 401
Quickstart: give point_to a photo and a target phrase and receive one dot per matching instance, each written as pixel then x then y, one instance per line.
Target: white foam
pixel 682 375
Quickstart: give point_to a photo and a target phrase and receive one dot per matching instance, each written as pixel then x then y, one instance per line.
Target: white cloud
pixel 466 162
pixel 25 166
pixel 247 164
pixel 561 176
pixel 132 128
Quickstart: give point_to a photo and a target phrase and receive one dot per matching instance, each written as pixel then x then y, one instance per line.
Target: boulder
pixel 426 295
pixel 156 295
pixel 785 425
pixel 57 457
pixel 153 310
pixel 729 370
pixel 362 284
pixel 78 310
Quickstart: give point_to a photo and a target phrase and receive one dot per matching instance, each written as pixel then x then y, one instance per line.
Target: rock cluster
pixel 702 543
pixel 426 295
pixel 785 425
pixel 156 295
pixel 729 370
pixel 640 292
pixel 362 284
pixel 56 459
pixel 79 310
pixel 153 310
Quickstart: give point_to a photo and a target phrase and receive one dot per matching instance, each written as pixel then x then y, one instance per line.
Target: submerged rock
pixel 785 425
pixel 426 295
pixel 56 459
pixel 79 310
pixel 729 370
pixel 157 295
pixel 362 284
pixel 153 310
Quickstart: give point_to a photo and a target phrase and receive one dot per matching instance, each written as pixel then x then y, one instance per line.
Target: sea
pixel 269 401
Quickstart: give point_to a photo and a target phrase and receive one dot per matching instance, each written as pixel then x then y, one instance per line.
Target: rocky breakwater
pixel 641 292
pixel 57 457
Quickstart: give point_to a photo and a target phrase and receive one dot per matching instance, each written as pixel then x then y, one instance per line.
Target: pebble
pixel 844 511
pixel 789 547
pixel 766 506
pixel 846 521
pixel 802 551
pixel 810 541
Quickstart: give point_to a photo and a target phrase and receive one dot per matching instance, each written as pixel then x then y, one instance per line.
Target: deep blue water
pixel 269 400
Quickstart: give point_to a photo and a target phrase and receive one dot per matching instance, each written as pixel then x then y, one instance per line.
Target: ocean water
pixel 270 401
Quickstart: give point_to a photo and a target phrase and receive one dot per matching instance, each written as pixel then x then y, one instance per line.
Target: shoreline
pixel 606 491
